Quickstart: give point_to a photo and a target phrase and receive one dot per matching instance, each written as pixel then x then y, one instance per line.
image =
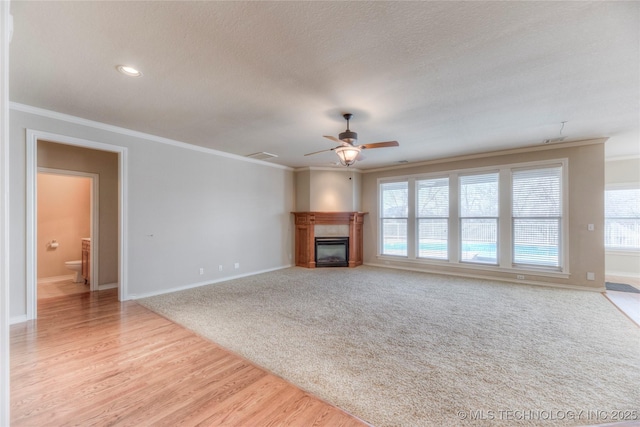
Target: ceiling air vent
pixel 262 155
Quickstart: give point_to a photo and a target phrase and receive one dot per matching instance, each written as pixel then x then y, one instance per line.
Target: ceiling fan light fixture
pixel 347 155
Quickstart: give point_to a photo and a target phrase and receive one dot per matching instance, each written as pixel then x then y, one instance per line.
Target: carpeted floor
pixel 405 348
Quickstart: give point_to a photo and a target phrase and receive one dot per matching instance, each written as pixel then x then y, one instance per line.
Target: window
pixel 537 216
pixel 622 219
pixel 479 207
pixel 495 218
pixel 394 215
pixel 433 218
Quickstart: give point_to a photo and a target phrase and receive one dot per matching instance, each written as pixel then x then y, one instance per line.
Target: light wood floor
pixel 91 360
pixel 60 288
pixel 627 302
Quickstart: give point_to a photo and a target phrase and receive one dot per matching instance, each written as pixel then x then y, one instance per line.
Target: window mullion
pixel 454 219
pixel 412 228
pixel 505 228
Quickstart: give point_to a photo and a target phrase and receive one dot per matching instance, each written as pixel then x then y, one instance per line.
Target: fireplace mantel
pixel 305 234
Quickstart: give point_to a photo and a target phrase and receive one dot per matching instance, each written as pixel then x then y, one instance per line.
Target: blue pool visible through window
pixel 536 206
pixel 394 199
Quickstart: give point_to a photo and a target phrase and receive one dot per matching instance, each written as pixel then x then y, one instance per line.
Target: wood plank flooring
pixel 60 288
pixel 91 360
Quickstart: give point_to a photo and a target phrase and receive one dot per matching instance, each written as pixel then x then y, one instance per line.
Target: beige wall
pixel 586 201
pixel 303 190
pixel 105 164
pixel 64 210
pixel 322 190
pixel 626 173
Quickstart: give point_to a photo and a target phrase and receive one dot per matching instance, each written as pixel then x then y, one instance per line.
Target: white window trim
pixel 563 249
pixel 380 218
pixel 417 217
pixel 505 263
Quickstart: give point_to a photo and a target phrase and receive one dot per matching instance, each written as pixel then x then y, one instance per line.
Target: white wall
pixel 186 209
pixel 617 174
pixel 4 209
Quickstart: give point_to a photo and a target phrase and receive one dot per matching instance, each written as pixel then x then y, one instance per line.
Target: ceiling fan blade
pixel 333 138
pixel 339 141
pixel 318 152
pixel 380 144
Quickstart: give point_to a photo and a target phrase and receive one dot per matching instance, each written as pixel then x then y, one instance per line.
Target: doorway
pixel 105 165
pixel 67 225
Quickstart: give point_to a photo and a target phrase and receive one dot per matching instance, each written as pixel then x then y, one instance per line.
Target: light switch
pixel 591 227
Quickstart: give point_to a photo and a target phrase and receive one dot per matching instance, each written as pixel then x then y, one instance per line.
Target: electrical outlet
pixel 220 267
pixel 520 277
pixel 236 265
pixel 591 276
pixel 201 271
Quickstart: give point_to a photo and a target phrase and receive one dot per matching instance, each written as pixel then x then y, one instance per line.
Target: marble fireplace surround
pixel 327 224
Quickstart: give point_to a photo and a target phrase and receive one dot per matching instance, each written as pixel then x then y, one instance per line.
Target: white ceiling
pixel 442 78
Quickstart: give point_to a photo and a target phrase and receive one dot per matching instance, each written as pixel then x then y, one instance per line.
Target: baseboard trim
pixel 106 286
pixel 55 279
pixel 622 274
pixel 18 319
pixel 488 277
pixel 204 283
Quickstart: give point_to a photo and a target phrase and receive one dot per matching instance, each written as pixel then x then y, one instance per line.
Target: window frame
pixel 613 187
pixel 559 218
pixel 382 218
pixel 496 218
pixel 504 226
pixel 418 217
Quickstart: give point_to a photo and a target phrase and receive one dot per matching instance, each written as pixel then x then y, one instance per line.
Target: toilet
pixel 77 267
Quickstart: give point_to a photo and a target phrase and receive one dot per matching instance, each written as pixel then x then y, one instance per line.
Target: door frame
pixel 31 214
pixel 94 225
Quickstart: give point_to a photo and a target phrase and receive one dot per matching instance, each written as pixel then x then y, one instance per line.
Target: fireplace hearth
pixel 332 251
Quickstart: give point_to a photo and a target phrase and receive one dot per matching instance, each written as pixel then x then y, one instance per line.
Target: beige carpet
pixel 412 349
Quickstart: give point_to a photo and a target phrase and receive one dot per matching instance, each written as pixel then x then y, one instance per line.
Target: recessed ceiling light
pixel 128 71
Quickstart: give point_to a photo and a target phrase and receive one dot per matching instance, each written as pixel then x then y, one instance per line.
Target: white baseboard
pixel 56 278
pixel 106 286
pixel 204 283
pixel 499 279
pixel 622 274
pixel 18 319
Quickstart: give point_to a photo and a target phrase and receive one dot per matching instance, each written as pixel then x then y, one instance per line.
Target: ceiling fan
pixel 347 151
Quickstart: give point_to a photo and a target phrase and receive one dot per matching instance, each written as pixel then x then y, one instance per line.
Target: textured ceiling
pixel 442 78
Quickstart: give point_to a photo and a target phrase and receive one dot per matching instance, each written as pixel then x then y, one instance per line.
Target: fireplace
pixel 332 251
pixel 305 244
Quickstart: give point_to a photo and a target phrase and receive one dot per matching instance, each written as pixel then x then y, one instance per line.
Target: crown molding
pixel 327 168
pixel 133 133
pixel 527 149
